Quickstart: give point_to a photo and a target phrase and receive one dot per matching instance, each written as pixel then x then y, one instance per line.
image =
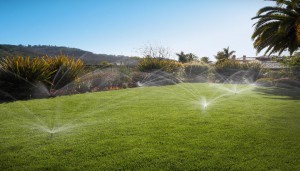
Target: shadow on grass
pixel 280 93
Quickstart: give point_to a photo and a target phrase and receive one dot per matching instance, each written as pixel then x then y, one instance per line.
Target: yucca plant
pixel 19 76
pixel 64 70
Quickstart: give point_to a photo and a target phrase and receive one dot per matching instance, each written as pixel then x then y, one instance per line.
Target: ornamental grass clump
pixel 64 70
pixel 196 70
pixel 229 67
pixel 152 64
pixel 26 77
pixel 19 76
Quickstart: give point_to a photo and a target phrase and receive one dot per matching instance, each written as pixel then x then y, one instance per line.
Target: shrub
pixel 151 64
pixel 138 77
pixel 294 64
pixel 265 82
pixel 23 78
pixel 286 82
pixel 196 71
pixel 231 64
pixel 277 74
pixel 295 67
pixel 19 76
pixel 229 67
pixel 157 78
pixel 105 64
pixel 64 70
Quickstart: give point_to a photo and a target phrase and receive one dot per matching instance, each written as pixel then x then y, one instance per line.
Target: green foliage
pixel 105 64
pixel 278 27
pixel 292 62
pixel 19 75
pixel 230 67
pixel 43 50
pixel 184 58
pixel 287 83
pixel 294 65
pixel 224 55
pixel 151 64
pixel 277 74
pixel 265 82
pixel 231 64
pixel 205 59
pixel 195 69
pixel 64 69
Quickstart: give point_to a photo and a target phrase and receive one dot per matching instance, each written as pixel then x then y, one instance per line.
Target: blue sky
pixel 122 27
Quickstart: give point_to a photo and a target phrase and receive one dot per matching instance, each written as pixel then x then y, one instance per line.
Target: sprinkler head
pixel 139 84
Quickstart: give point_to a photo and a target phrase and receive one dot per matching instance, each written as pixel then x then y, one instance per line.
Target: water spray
pixel 139 84
pixel 205 105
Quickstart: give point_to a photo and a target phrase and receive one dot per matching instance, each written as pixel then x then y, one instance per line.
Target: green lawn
pixel 154 128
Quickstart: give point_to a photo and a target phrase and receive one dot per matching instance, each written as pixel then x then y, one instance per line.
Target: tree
pixel 278 27
pixel 224 55
pixel 205 59
pixel 192 57
pixel 159 52
pixel 184 58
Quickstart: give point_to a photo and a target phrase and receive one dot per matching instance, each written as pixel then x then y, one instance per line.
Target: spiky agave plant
pixel 278 27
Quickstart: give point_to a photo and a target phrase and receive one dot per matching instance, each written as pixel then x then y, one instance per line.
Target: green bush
pixel 229 67
pixel 278 74
pixel 196 71
pixel 231 64
pixel 287 83
pixel 19 76
pixel 105 64
pixel 294 65
pixel 265 82
pixel 152 64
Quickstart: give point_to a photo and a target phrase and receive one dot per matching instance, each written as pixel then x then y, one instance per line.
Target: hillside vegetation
pixel 41 50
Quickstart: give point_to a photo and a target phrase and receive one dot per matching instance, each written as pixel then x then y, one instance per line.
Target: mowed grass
pixel 154 128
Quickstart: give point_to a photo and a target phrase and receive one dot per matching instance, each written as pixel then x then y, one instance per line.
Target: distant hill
pixel 40 50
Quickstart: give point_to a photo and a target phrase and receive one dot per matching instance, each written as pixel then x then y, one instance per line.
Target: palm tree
pixel 182 57
pixel 224 55
pixel 205 59
pixel 228 53
pixel 278 27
